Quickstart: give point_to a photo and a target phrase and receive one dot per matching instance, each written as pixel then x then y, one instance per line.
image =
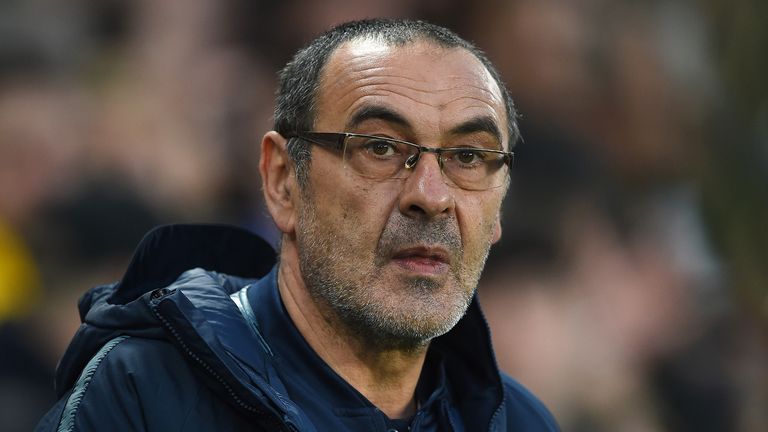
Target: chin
pixel 423 313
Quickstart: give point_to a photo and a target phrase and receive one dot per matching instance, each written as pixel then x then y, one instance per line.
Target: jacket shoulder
pixel 524 411
pixel 137 384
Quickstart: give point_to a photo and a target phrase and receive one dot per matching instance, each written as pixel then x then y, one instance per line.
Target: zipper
pixel 498 376
pixel 67 421
pixel 157 297
pixel 497 412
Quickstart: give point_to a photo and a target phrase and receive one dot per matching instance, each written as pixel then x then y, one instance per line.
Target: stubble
pixel 382 310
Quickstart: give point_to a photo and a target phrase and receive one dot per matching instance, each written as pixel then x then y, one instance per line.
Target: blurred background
pixel 630 288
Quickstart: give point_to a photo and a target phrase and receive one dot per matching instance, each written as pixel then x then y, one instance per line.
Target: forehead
pixel 428 84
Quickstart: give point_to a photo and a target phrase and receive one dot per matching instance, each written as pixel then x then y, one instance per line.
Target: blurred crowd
pixel 630 288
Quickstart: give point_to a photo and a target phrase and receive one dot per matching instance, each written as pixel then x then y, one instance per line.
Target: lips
pixel 423 260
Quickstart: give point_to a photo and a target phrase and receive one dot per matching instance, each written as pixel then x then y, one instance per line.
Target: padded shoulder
pixel 144 385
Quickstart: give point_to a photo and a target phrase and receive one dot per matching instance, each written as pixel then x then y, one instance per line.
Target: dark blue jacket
pixel 168 349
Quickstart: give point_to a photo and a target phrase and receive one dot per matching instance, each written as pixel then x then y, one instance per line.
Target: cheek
pixel 477 220
pixel 366 210
pixel 352 211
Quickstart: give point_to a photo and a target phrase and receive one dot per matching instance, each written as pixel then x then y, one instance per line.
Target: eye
pixel 469 157
pixel 381 147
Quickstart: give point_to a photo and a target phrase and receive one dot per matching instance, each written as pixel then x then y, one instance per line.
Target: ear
pixel 496 229
pixel 278 181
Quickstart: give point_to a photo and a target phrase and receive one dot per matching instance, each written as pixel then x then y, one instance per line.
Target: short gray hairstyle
pixel 299 80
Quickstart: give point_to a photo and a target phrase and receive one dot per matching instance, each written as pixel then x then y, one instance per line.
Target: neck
pixel 386 377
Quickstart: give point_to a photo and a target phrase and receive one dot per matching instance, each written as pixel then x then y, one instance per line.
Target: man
pixel 385 174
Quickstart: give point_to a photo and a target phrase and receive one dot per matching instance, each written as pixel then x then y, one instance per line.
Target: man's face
pixel 397 260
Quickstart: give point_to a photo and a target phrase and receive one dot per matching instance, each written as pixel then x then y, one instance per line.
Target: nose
pixel 425 193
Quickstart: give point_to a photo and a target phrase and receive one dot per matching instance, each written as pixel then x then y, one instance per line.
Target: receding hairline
pixel 299 81
pixel 498 92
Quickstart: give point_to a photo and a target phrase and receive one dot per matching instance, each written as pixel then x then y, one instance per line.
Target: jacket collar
pixel 164 253
pixel 168 251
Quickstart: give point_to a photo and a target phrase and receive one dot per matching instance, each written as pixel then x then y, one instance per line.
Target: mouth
pixel 423 260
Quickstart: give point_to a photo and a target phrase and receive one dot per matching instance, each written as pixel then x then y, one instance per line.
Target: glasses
pixel 382 158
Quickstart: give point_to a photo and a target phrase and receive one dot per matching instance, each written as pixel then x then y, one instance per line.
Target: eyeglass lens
pixel 380 158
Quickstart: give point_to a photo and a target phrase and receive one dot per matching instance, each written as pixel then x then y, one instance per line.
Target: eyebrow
pixel 478 124
pixel 377 112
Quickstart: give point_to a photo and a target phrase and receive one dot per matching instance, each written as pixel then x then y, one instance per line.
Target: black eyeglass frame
pixel 335 141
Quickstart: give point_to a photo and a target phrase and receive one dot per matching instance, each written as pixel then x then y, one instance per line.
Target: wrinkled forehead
pixel 420 75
